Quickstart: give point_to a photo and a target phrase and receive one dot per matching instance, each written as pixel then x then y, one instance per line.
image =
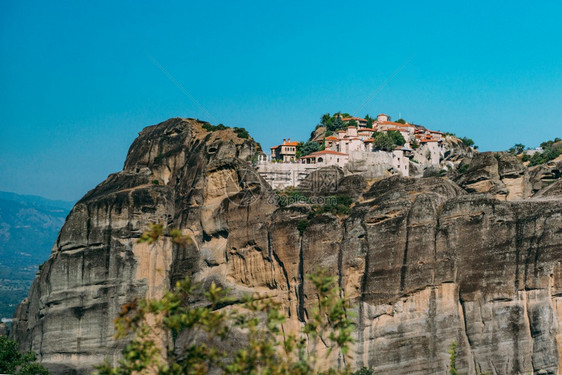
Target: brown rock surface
pixel 545 174
pixel 426 263
pixel 498 173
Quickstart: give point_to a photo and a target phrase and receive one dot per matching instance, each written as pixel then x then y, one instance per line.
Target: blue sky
pixel 78 80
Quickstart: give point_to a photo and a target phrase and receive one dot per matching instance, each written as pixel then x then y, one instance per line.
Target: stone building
pixel 285 152
pixel 351 149
pixel 326 158
pixel 360 121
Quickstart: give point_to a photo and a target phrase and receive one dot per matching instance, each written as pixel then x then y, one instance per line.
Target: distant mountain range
pixel 29 226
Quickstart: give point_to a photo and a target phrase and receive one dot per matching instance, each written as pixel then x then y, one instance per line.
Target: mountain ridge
pixel 29 226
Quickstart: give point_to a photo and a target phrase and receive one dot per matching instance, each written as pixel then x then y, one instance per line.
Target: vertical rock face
pixel 450 267
pixel 175 173
pixel 426 263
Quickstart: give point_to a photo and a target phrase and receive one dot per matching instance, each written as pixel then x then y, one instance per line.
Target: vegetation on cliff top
pixel 550 151
pixel 334 122
pixel 240 132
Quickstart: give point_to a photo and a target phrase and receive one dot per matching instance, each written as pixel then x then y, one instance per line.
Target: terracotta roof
pixel 368 140
pixel 391 128
pixel 382 114
pixel 274 147
pixel 341 131
pixel 428 140
pixel 324 152
pixel 353 118
pixel 396 124
pixel 332 138
pixel 290 144
pixel 366 130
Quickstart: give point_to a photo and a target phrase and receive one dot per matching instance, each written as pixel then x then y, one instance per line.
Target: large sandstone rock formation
pixel 426 263
pixel 497 173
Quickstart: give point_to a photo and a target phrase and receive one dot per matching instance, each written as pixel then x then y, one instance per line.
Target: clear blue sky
pixel 77 79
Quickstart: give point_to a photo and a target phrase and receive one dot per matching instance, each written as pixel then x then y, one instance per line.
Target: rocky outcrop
pixel 545 174
pixel 425 262
pixel 498 173
pixel 318 134
pixel 456 150
pixel 175 173
pixel 552 190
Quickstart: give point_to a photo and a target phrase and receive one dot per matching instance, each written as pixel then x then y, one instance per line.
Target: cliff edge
pixel 426 261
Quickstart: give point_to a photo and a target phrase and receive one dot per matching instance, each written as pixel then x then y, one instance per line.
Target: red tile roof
pixel 332 138
pixel 353 118
pixel 324 152
pixel 395 124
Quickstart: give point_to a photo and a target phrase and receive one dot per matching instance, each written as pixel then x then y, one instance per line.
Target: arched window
pixel 320 160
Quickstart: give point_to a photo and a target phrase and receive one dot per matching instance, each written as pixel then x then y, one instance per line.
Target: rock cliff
pixel 426 262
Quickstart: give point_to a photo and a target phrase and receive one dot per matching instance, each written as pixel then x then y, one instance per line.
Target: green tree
pixel 517 149
pixel 190 309
pixel 401 121
pixel 387 141
pixel 337 124
pixel 14 362
pixel 370 120
pixel 453 358
pixel 467 142
pixel 551 150
pixel 327 121
pixel 307 148
pixel 396 137
pixel 241 132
